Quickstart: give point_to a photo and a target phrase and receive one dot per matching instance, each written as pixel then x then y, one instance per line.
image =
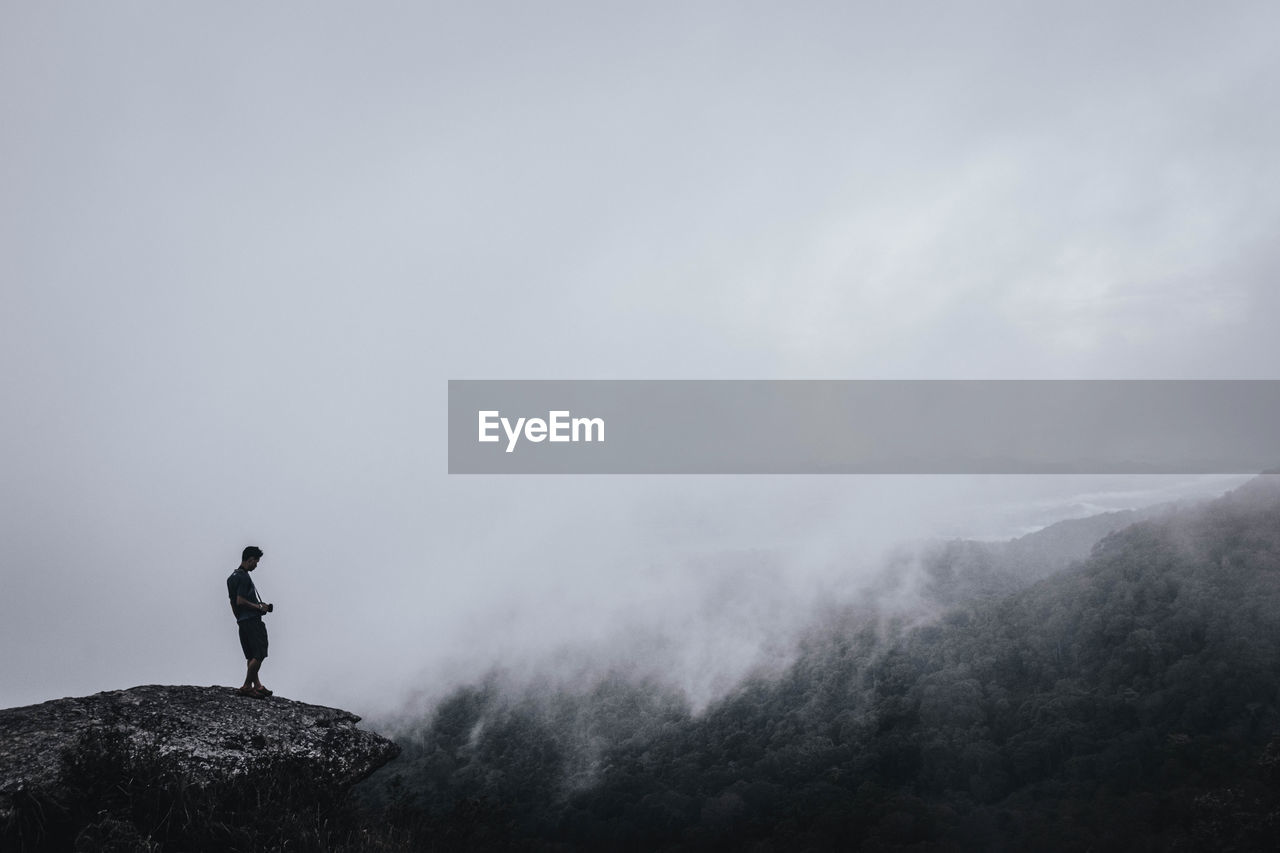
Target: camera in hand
pixel 270 607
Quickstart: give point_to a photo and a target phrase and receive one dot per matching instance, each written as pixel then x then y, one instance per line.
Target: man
pixel 248 610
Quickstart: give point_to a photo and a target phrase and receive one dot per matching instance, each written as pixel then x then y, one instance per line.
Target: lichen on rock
pixel 54 755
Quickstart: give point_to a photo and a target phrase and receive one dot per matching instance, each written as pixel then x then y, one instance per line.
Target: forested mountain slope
pixel 1123 702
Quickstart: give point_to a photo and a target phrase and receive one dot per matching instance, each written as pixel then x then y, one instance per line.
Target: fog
pixel 242 250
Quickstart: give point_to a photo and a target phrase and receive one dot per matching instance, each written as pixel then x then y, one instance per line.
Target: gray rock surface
pixel 207 734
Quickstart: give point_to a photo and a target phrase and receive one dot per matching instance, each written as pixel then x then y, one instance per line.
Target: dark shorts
pixel 253 639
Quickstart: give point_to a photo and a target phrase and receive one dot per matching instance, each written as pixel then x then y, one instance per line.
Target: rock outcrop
pixel 205 737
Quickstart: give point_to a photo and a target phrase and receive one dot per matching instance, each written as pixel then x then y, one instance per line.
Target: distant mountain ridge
pixel 963 570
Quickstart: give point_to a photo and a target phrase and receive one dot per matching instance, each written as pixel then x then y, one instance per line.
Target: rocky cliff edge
pixel 203 735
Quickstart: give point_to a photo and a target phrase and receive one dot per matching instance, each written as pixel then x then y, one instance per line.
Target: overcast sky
pixel 243 248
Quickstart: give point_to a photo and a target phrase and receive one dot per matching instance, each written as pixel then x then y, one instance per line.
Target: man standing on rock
pixel 248 609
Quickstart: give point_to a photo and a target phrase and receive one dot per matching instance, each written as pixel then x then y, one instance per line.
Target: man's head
pixel 249 558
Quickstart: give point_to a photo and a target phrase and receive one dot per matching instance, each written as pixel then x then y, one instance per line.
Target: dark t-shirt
pixel 240 584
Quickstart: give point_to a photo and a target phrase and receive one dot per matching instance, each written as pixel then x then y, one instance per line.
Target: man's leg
pixel 253 641
pixel 251 673
pixel 257 666
pixel 261 656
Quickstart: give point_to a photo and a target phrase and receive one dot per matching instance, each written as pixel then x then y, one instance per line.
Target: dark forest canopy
pixel 1125 700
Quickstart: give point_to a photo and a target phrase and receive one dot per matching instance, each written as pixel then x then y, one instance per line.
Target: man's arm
pixel 242 601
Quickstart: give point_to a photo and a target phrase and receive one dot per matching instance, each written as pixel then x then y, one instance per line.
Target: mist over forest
pixel 1108 682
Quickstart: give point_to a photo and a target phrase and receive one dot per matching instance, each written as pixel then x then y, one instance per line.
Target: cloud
pixel 243 250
